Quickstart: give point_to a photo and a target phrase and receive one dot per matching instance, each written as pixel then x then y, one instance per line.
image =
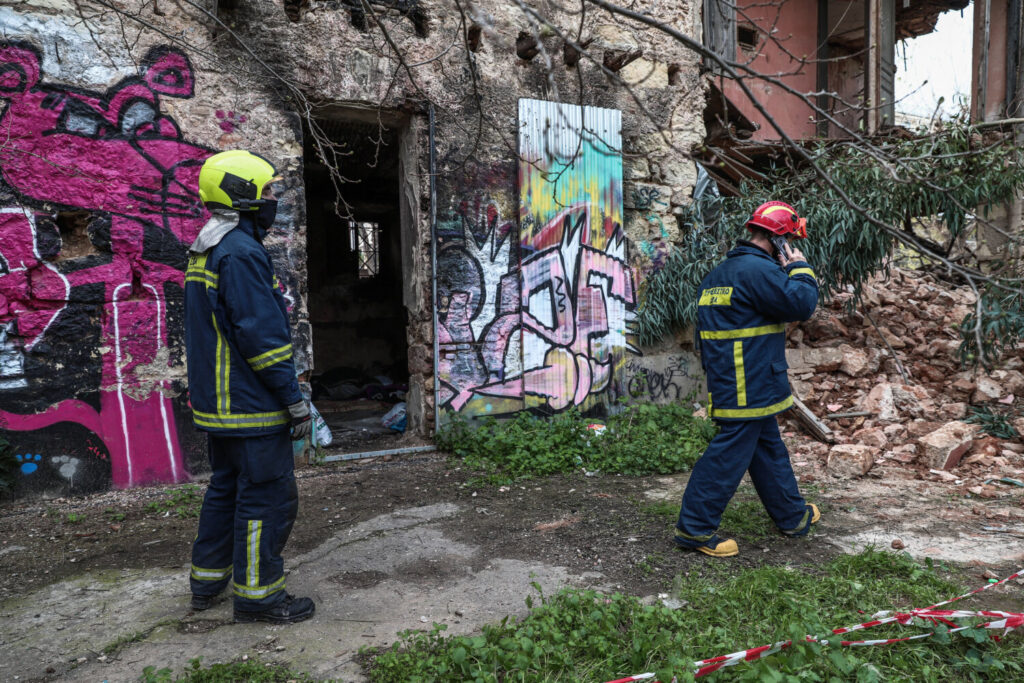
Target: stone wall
pixel 110 119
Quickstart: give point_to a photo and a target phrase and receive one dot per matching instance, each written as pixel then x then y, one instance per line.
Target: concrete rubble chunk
pixel 919 428
pixel 907 453
pixel 823 359
pixel 850 460
pixel 964 385
pixel 1011 380
pixel 953 411
pixel 873 437
pixel 880 403
pixel 987 390
pixel 943 448
pixel 855 361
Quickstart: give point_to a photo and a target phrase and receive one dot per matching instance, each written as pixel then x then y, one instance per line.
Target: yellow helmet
pixel 235 179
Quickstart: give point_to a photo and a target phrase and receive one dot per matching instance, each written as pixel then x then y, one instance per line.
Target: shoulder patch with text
pixel 716 296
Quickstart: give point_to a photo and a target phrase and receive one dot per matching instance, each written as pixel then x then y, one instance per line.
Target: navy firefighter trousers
pixel 753 445
pixel 246 518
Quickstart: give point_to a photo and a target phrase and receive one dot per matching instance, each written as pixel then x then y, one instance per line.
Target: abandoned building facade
pixel 475 194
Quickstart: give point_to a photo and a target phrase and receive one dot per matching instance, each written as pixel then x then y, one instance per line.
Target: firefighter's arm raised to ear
pixel 789 293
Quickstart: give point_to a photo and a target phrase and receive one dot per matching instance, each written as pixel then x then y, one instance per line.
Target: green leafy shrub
pixel 944 177
pixel 583 635
pixel 575 635
pixel 1001 328
pixel 992 423
pixel 643 439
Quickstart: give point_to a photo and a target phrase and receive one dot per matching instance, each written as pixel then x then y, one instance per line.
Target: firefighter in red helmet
pixel 745 303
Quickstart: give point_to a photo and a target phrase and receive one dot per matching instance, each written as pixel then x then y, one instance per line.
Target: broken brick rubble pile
pixel 841 362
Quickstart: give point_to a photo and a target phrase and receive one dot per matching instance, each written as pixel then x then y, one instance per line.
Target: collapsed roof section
pixel 804 70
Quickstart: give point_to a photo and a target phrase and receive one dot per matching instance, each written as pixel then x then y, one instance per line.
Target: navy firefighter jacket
pixel 744 305
pixel 241 375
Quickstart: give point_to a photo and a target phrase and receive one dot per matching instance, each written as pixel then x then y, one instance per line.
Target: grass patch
pixel 580 635
pixel 747 520
pixel 744 518
pixel 643 439
pixel 113 515
pixel 250 670
pixel 124 641
pixel 184 502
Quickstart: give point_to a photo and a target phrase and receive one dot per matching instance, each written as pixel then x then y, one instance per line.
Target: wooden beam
pixel 816 427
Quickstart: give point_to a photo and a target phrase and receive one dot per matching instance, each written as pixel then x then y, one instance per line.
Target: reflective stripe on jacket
pixel 744 305
pixel 240 371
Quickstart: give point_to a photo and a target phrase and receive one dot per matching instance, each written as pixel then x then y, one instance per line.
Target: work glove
pixel 302 421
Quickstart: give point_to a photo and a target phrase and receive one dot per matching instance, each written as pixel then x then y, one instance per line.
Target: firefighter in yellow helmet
pixel 244 394
pixel 745 303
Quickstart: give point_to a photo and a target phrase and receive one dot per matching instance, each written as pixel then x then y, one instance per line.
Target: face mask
pixel 265 215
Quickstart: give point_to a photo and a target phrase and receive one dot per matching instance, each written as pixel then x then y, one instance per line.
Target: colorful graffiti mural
pixel 541 323
pixel 111 169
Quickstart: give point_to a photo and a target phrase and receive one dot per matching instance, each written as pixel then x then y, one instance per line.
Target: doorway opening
pixel 356 271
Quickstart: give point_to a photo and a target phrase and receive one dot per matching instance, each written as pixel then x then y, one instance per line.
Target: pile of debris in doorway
pixel 886 395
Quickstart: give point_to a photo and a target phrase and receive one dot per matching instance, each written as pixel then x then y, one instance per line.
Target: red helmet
pixel 779 218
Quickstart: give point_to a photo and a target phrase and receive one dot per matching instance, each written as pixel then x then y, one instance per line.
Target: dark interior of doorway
pixel 360 349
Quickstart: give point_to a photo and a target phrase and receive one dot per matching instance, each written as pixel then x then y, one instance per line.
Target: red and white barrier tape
pixel 1007 621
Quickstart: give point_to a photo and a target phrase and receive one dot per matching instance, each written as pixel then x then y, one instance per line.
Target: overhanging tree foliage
pixel 941 179
pixel 862 192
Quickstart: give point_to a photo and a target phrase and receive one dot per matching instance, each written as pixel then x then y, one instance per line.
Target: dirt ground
pixel 96 588
pixel 618 526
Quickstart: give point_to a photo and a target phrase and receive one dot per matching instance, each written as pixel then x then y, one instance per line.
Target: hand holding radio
pixel 785 252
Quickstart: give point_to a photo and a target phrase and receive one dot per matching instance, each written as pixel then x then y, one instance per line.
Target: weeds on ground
pixel 643 439
pixel 993 423
pixel 250 670
pixel 585 635
pixel 183 502
pixel 113 515
pixel 74 517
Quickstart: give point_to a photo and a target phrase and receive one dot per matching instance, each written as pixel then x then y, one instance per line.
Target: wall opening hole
pixel 746 37
pixel 73 227
pixel 473 37
pixel 356 310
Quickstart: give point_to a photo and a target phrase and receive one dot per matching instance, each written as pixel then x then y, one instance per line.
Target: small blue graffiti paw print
pixel 29 463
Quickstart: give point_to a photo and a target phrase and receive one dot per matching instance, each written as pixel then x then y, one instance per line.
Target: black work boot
pixel 201 602
pixel 288 611
pixel 204 602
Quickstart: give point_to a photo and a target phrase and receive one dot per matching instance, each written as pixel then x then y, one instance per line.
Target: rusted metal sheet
pixel 577 290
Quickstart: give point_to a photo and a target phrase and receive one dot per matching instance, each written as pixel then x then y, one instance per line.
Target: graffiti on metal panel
pixel 103 277
pixel 578 291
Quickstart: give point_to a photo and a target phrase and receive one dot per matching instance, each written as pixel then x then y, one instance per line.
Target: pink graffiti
pixel 560 301
pixel 113 153
pixel 228 121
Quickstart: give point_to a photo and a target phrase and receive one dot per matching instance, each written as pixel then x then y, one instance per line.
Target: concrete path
pixel 369 582
pixel 390 573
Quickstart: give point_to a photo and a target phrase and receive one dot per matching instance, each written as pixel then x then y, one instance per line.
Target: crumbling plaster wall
pixel 251 78
pixel 106 125
pixel 477 203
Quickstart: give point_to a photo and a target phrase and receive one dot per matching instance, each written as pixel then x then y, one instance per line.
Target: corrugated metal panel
pixel 578 291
